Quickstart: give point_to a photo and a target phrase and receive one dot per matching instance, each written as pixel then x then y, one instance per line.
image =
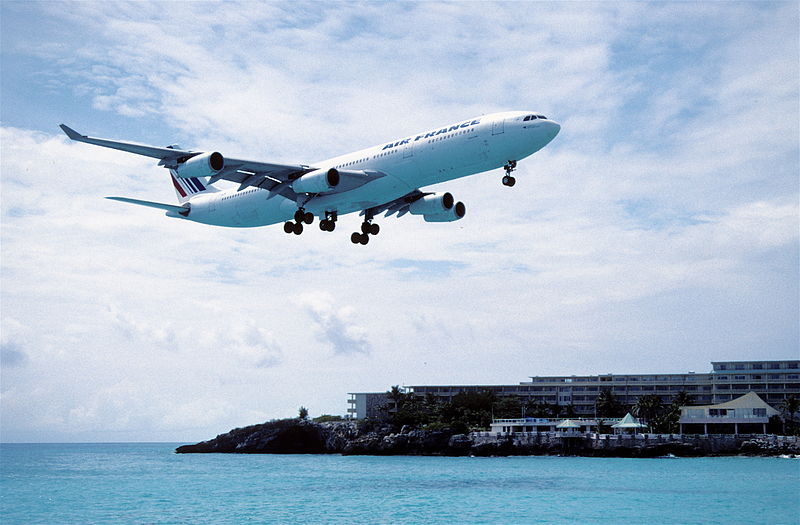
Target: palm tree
pixel 647 408
pixel 789 407
pixel 682 399
pixel 670 419
pixel 606 404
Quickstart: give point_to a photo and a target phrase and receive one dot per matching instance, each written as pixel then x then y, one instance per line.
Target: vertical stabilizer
pixel 188 187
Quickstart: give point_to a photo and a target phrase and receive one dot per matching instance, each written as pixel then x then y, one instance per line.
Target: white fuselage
pixel 464 148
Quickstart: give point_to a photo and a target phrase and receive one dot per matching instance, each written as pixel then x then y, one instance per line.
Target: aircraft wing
pixel 266 175
pixel 399 206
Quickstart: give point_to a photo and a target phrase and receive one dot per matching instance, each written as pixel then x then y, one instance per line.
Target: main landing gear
pixel 300 216
pixel 328 224
pixel 367 229
pixel 508 180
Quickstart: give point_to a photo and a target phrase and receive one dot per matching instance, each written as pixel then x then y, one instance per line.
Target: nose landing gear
pixel 508 180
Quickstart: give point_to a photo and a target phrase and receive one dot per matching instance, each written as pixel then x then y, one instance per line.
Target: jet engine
pixel 453 214
pixel 203 165
pixel 434 203
pixel 318 181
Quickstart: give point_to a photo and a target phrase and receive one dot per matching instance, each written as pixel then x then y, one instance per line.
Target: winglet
pixel 71 133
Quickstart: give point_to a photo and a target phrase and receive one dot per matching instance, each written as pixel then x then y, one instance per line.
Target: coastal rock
pixel 275 437
pixel 296 436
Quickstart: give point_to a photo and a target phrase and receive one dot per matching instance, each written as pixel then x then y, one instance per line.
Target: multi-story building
pixel 773 381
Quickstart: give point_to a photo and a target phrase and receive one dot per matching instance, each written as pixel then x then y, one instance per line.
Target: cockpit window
pixel 540 116
pixel 531 117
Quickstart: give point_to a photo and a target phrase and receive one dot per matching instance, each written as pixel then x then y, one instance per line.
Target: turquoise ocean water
pixel 148 483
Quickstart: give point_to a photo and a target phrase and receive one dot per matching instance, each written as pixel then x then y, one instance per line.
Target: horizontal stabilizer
pixel 183 210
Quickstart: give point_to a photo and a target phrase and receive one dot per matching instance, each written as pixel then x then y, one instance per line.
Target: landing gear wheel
pixel 331 226
pixel 365 226
pixel 299 215
pixel 297 228
pixel 509 181
pixel 355 238
pixel 364 239
pixel 308 217
pixel 288 227
pixel 374 229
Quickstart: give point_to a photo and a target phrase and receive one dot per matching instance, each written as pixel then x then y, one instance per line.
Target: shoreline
pixel 294 436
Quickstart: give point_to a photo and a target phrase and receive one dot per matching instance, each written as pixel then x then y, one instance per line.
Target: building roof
pixel 628 422
pixel 749 400
pixel 569 423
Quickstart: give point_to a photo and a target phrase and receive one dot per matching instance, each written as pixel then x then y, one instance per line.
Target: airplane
pixel 386 178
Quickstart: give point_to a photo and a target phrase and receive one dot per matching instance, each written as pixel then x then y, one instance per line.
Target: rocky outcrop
pixel 288 436
pixel 295 436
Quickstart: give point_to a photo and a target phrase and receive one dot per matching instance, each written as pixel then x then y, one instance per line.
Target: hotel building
pixel 773 381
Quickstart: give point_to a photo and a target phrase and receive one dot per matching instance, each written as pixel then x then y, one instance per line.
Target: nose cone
pixel 552 128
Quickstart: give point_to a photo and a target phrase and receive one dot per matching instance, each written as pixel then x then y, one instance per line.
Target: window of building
pixel 739 366
pixel 723 387
pixel 757 366
pixel 756 377
pixel 792 365
pixel 738 378
pixel 723 378
pixel 792 376
pixel 760 412
pixel 722 367
pixel 774 376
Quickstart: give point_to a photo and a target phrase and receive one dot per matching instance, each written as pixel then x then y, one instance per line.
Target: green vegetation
pixel 647 409
pixel 302 413
pixel 607 405
pixel 466 410
pixel 475 410
pixel 326 418
pixel 789 409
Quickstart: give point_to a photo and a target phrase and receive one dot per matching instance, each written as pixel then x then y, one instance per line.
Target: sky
pixel 657 233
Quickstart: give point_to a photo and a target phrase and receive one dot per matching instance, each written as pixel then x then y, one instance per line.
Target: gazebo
pixel 569 425
pixel 627 423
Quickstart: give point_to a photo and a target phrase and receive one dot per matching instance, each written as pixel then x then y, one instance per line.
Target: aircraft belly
pixel 245 212
pixel 369 195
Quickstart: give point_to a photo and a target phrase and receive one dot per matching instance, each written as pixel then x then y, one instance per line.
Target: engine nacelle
pixel 453 214
pixel 433 204
pixel 318 181
pixel 203 165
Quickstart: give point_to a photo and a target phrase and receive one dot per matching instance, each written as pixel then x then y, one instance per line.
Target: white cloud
pixel 658 231
pixel 334 323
